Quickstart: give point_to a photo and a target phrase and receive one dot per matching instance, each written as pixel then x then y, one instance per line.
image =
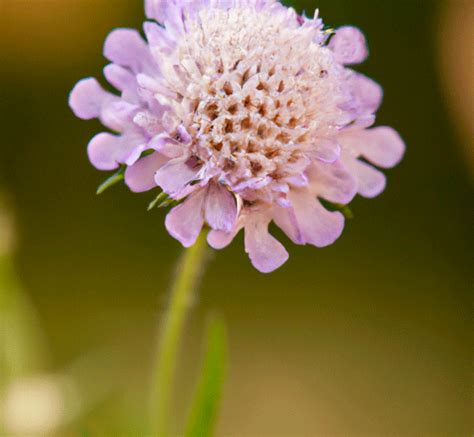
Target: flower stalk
pixel 190 268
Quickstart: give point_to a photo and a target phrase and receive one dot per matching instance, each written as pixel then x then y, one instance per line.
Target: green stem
pixel 190 267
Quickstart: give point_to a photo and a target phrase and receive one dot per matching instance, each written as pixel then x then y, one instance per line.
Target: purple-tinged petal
pixel 299 180
pixel 327 150
pixel 166 145
pixel 220 208
pixel 119 77
pixel 219 239
pixel 282 201
pixel 185 221
pixel 285 219
pixel 300 164
pixel 135 154
pixel 349 45
pixel 184 135
pixel 193 8
pixel 117 115
pixel 158 9
pixel 265 251
pixel 171 150
pixel 175 175
pixel 155 85
pixel 123 80
pixel 362 122
pixel 280 187
pixel 154 9
pixel 141 176
pixel 168 13
pixel 87 99
pixel 382 145
pixel 332 182
pixel 370 181
pixel 107 151
pixel 253 184
pixel 158 37
pixel 317 225
pixel 126 48
pixel 366 94
pixel 149 121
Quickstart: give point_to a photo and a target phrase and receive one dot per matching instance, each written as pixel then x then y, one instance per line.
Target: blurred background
pixel 372 336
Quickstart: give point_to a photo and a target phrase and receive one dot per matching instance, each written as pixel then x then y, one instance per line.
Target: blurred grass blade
pixel 23 345
pixel 111 181
pixel 203 414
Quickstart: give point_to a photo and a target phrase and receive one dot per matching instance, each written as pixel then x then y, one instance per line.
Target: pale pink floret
pixel 247 114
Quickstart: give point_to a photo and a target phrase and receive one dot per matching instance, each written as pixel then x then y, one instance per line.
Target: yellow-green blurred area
pixel 369 337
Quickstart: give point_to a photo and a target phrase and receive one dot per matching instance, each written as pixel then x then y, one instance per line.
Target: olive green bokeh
pixel 371 336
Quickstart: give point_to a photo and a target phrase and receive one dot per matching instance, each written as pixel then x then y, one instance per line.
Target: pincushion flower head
pixel 244 113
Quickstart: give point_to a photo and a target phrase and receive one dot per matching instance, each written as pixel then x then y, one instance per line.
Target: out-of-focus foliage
pixel 205 406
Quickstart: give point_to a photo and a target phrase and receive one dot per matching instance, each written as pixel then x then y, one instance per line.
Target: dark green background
pixel 371 336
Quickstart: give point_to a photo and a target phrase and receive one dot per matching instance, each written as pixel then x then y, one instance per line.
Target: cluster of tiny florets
pixel 250 115
pixel 258 110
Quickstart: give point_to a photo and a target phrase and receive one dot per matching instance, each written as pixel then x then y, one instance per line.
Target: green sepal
pixel 343 209
pixel 163 200
pixel 112 180
pixel 158 201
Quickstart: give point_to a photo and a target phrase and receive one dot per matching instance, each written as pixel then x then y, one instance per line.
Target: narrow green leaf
pixel 203 413
pixel 112 180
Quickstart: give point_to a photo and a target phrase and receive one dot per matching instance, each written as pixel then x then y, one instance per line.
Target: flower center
pixel 247 120
pixel 263 93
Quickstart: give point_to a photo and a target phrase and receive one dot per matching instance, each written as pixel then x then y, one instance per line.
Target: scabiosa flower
pixel 245 113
